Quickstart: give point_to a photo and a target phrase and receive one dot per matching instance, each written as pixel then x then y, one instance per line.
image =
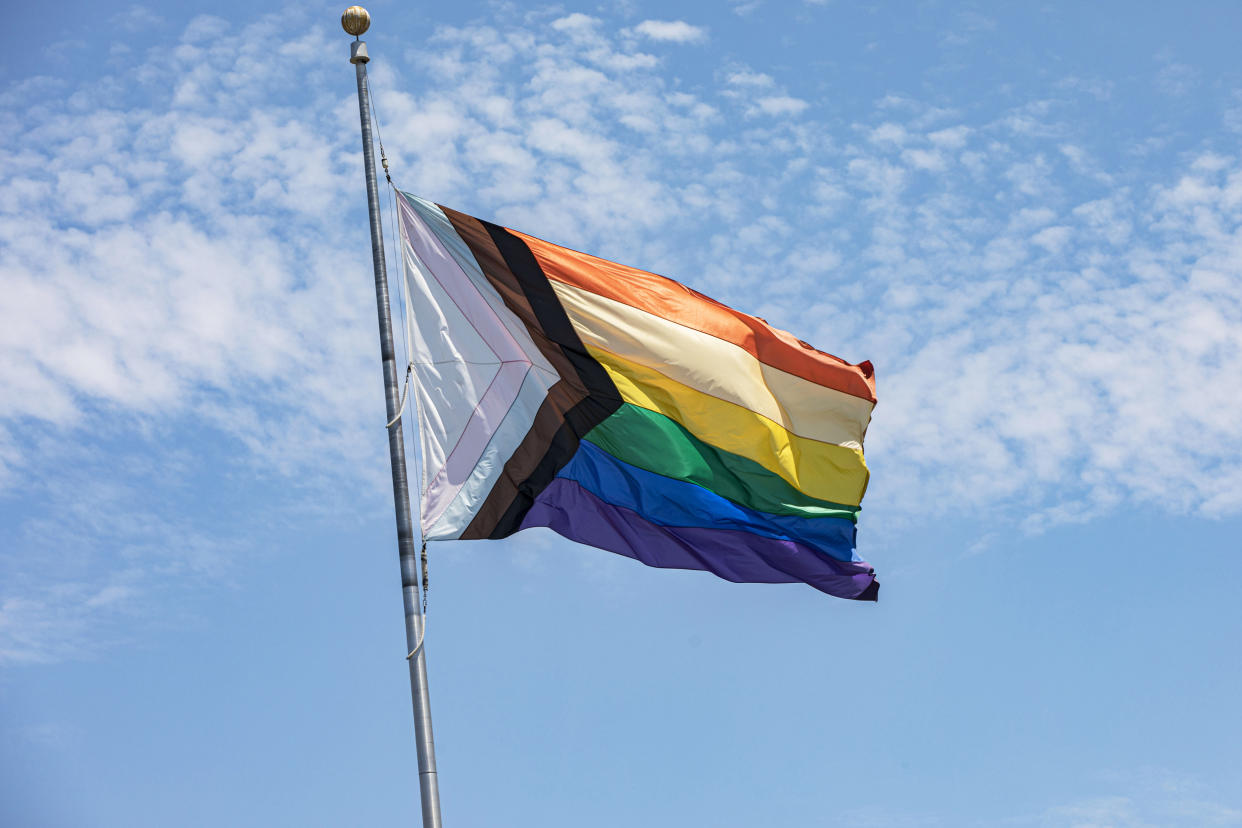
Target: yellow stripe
pixel 821 470
pixel 721 369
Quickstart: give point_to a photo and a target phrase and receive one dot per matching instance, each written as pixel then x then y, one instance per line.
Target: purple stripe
pixel 741 557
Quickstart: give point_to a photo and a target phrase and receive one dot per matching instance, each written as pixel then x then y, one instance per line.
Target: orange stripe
pixel 677 303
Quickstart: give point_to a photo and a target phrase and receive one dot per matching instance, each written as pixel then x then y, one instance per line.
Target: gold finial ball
pixel 356 20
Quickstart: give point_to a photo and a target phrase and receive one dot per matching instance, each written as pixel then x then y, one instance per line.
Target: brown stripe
pixel 514 487
pixel 579 421
pixel 493 265
pixel 583 398
pixel 548 310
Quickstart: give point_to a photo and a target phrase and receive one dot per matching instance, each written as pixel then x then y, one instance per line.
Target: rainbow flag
pixel 626 411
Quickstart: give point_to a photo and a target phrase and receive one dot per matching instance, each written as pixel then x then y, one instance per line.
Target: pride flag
pixel 626 411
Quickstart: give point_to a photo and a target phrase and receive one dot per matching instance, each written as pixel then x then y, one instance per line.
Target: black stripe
pixel 585 397
pixel 524 462
pixel 551 315
pixel 497 272
pixel 578 421
pixel 602 399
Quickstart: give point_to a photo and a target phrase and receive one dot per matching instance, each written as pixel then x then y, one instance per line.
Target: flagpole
pixel 356 21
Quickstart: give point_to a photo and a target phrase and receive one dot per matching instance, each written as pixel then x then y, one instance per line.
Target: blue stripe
pixel 564 506
pixel 668 502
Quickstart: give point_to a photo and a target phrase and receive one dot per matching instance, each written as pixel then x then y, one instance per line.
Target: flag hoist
pixel 356 20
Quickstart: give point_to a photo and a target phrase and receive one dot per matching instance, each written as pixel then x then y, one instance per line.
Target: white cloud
pixel 1052 239
pixel 136 18
pixel 1097 88
pixel 203 28
pixel 1144 798
pixel 1175 78
pixel 921 159
pixel 779 105
pixel 747 78
pixel 578 24
pixel 761 94
pixel 671 31
pixel 951 137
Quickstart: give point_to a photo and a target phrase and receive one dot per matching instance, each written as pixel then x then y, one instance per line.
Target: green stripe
pixel 658 444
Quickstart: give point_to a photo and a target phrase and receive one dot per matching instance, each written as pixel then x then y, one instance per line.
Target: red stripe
pixel 677 303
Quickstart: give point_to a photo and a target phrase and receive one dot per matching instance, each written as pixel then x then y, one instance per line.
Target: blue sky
pixel 1027 217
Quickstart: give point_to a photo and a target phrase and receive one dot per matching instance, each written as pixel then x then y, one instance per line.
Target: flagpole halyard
pixel 356 21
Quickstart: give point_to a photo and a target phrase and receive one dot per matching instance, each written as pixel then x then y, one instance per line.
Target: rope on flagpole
pixel 423 637
pixel 379 136
pixel 404 393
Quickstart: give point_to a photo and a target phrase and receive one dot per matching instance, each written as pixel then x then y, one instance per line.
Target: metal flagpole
pixel 356 21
